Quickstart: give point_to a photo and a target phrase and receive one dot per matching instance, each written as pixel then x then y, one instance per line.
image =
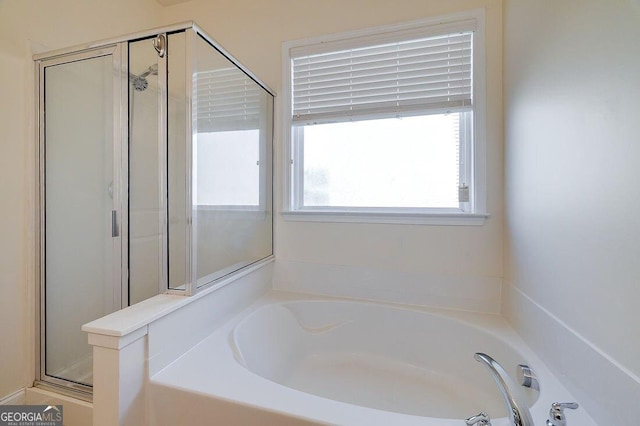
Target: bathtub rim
pixel 552 388
pixel 365 313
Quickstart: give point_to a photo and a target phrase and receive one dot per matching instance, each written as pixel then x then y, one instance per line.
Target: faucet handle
pixel 481 419
pixel 556 413
pixel 562 405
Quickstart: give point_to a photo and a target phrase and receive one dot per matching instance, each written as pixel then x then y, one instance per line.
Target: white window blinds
pixel 227 99
pixel 390 78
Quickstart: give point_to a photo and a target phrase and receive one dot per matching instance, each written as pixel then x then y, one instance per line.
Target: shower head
pixel 139 82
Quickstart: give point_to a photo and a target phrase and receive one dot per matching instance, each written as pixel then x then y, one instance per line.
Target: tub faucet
pixel 481 419
pixel 518 410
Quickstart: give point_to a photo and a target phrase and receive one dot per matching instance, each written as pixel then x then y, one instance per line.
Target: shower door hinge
pixel 114 224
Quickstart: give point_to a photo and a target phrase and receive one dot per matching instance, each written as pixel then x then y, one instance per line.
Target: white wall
pixel 27 27
pixel 13 228
pixel 572 70
pixel 434 256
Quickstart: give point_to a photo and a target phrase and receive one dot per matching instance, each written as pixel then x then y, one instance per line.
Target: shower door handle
pixel 114 224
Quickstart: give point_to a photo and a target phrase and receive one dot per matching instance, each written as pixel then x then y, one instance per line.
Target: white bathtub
pixel 289 360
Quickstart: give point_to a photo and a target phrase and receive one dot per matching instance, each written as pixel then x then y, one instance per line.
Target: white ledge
pixel 450 219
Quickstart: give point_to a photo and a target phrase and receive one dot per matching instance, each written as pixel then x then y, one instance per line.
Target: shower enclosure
pixel 155 176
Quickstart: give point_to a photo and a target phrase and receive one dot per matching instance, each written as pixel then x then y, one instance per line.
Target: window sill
pixel 446 219
pixel 247 213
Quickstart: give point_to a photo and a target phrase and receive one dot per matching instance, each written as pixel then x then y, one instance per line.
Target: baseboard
pixel 604 388
pixel 16 398
pixel 463 292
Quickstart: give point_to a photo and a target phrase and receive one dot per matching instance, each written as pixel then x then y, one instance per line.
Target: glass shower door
pixel 81 243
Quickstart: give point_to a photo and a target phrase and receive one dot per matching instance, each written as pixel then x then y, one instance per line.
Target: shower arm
pixel 519 414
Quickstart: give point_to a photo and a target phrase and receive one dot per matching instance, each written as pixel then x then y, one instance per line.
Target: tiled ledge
pixel 462 292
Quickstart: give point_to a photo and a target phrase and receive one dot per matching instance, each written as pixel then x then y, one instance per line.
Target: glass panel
pixel 146 211
pixel 351 164
pixel 177 161
pixel 231 166
pixel 79 282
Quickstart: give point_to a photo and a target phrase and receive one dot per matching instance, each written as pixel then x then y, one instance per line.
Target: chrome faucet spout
pixel 519 414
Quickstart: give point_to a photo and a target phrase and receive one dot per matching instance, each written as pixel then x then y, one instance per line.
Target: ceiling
pixel 171 2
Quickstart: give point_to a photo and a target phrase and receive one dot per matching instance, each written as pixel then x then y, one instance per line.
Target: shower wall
pixel 145 204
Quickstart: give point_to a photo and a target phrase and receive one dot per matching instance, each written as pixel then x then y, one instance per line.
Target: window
pixel 230 131
pixel 387 124
pixel 228 165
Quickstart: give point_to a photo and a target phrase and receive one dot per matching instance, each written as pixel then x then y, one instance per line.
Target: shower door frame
pixel 119 144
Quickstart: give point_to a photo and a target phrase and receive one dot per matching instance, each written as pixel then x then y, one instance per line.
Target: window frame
pixel 472 146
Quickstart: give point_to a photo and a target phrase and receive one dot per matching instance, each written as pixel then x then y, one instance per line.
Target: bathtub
pixel 298 360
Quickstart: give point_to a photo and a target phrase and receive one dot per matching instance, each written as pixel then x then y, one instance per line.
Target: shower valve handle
pixel 556 413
